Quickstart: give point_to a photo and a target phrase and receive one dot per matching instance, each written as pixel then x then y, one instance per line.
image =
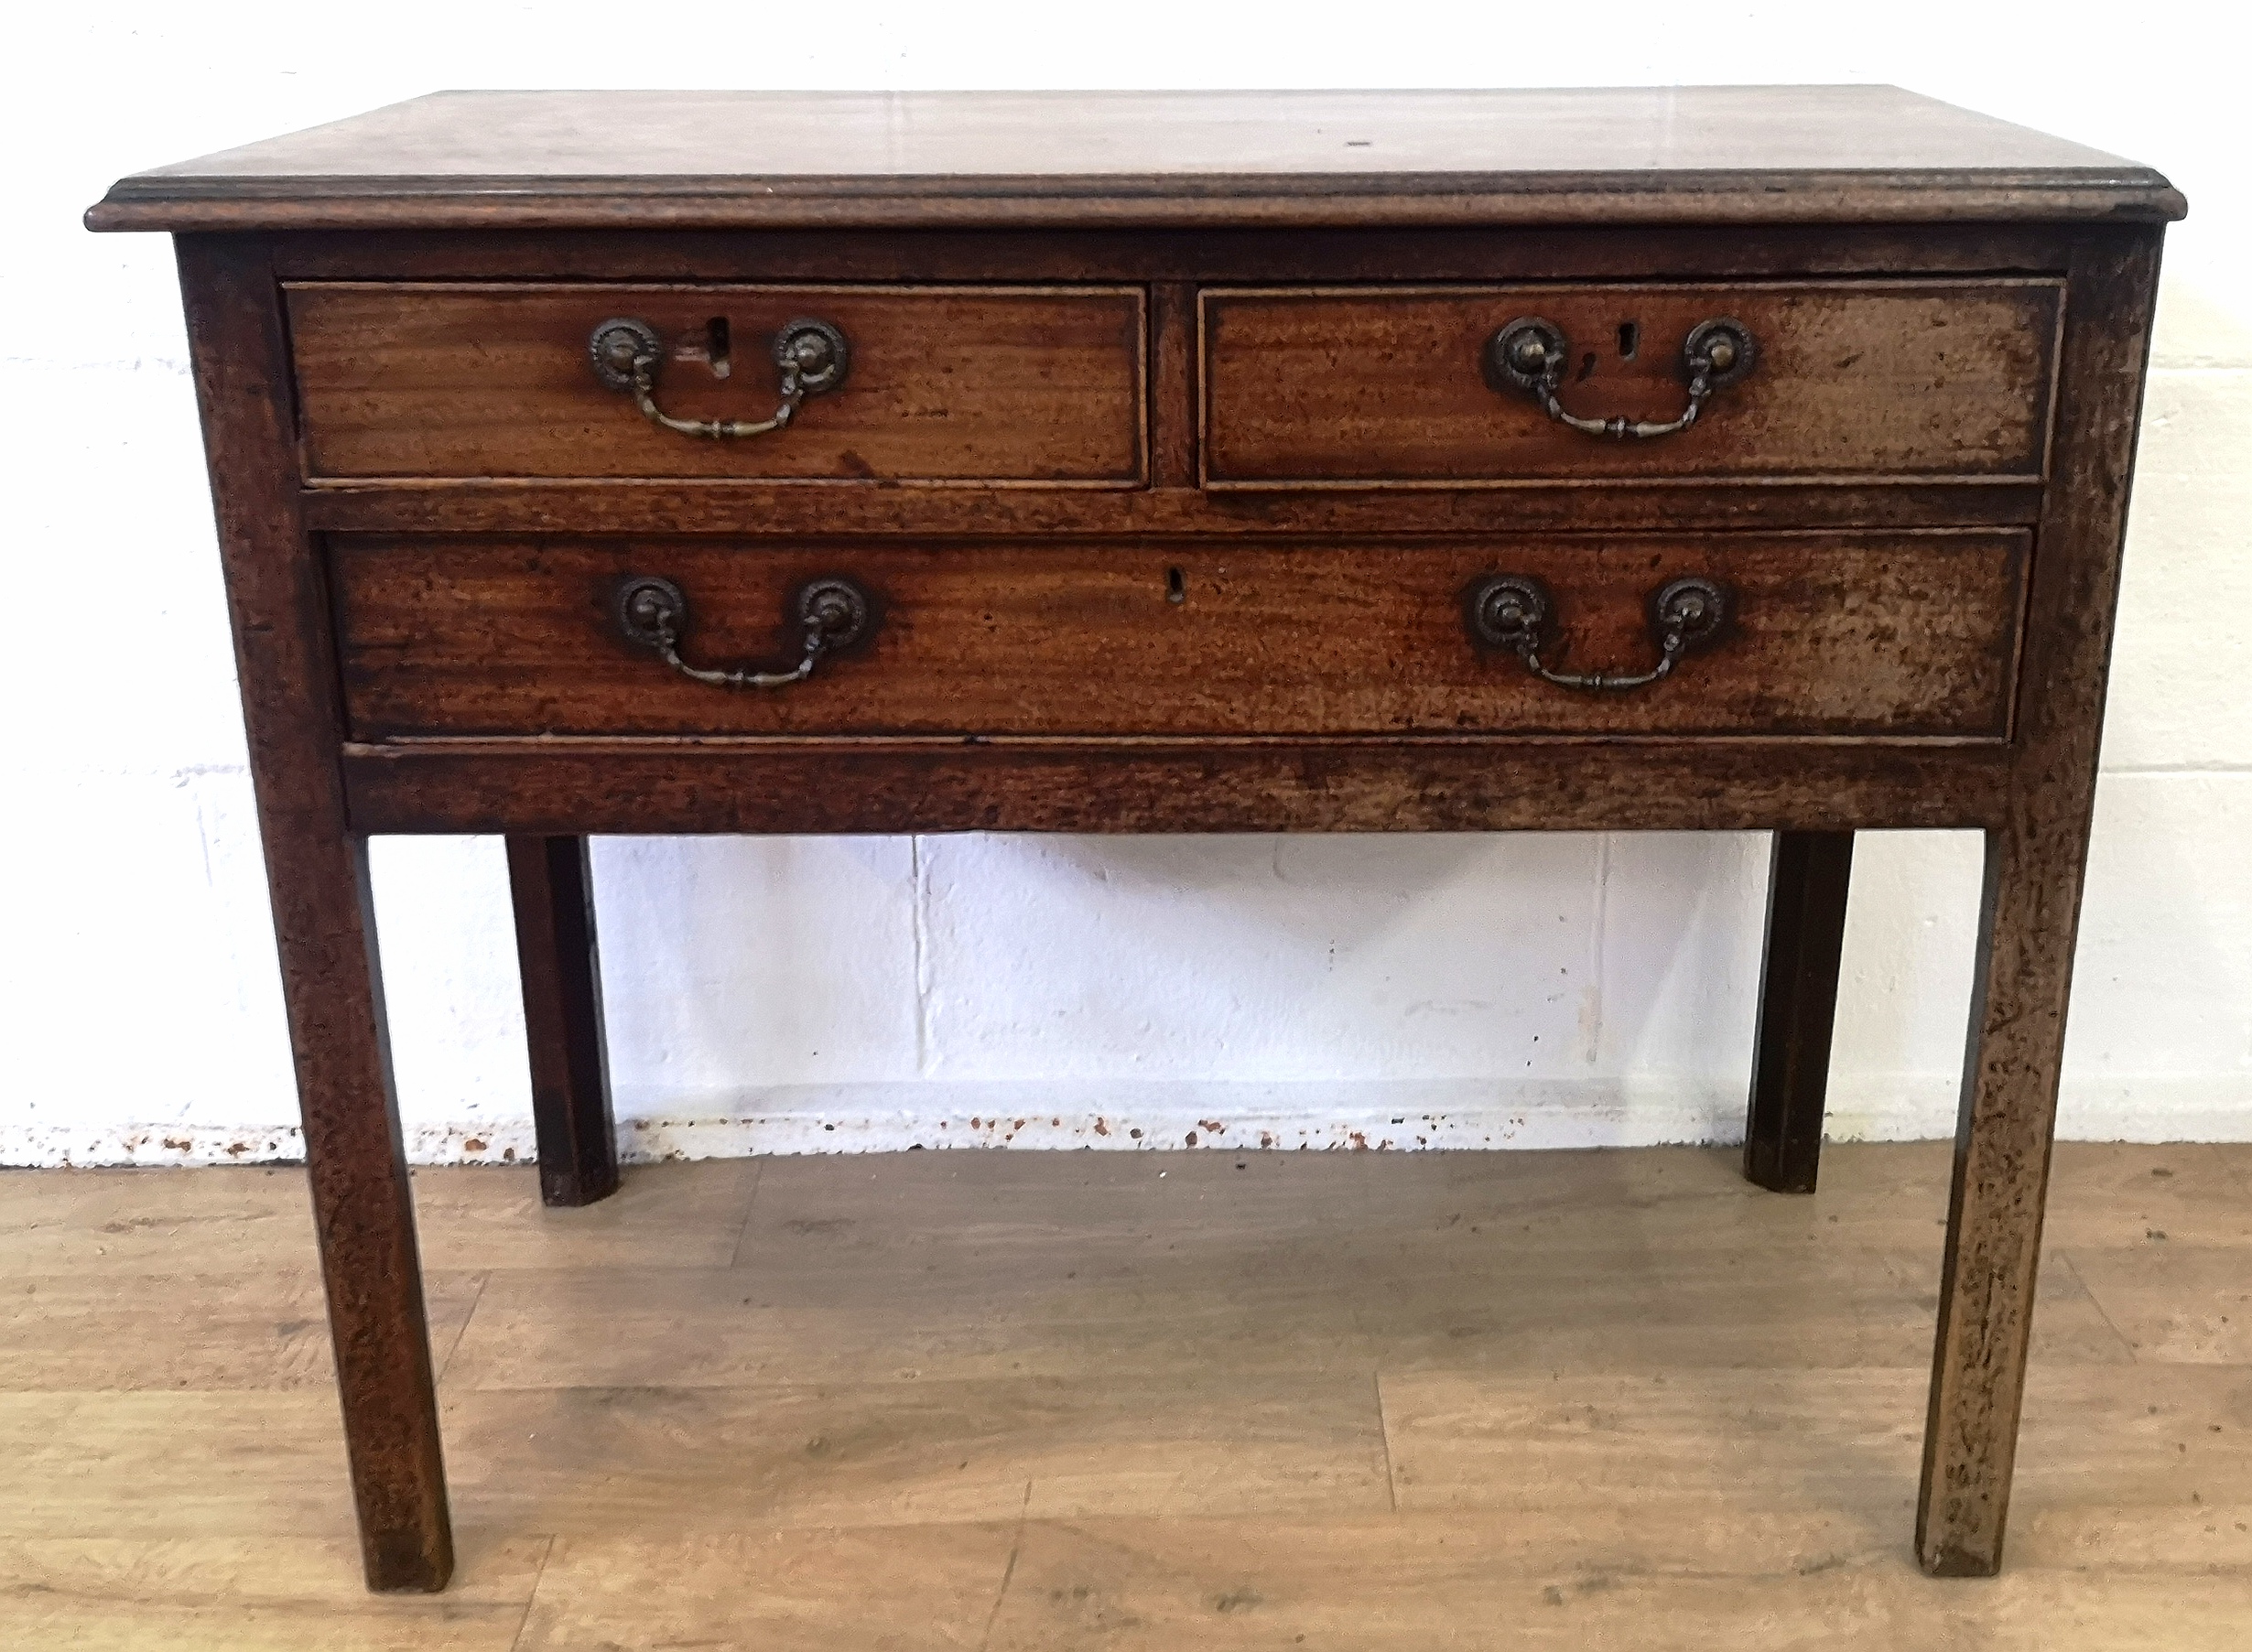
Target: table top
pixel 751 159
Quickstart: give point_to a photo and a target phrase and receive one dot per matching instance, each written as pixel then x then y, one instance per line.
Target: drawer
pixel 1880 635
pixel 1860 380
pixel 911 384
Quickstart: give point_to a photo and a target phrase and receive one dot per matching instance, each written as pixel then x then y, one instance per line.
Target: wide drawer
pixel 1878 635
pixel 1917 379
pixel 934 386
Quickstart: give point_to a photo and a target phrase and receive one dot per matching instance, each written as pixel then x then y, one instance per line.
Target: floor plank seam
pixel 2102 1313
pixel 749 1209
pixel 531 1597
pixel 1383 1433
pixel 1008 1573
pixel 461 1331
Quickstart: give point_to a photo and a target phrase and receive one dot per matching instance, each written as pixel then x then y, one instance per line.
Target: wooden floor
pixel 1020 1400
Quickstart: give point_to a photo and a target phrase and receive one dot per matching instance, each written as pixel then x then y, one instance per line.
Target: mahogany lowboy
pixel 695 462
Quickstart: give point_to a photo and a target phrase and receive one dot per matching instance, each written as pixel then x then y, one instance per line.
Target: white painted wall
pixel 805 994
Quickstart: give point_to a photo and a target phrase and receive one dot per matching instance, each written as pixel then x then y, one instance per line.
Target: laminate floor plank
pixel 679 1216
pixel 224 1219
pixel 1004 1209
pixel 942 1205
pixel 881 1589
pixel 2105 1436
pixel 258 1218
pixel 271 1595
pixel 168 1464
pixel 1688 1308
pixel 1887 1195
pixel 2175 1303
pixel 1586 1582
pixel 663 1460
pixel 721 1327
pixel 2112 1195
pixel 189 1331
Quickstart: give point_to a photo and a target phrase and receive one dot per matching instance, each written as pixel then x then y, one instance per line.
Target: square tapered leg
pixel 324 926
pixel 2003 1135
pixel 561 962
pixel 1807 879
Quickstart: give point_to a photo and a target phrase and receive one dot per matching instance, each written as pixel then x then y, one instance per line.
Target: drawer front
pixel 1876 635
pixel 1920 380
pixel 966 385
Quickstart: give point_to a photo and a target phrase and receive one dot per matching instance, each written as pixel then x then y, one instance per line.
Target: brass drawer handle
pixel 1511 611
pixel 626 354
pixel 653 613
pixel 1532 356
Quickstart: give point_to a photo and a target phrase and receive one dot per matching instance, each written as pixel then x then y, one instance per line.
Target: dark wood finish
pixel 1746 155
pixel 991 385
pixel 796 511
pixel 1173 368
pixel 1880 635
pixel 1920 494
pixel 1808 874
pixel 553 889
pixel 1384 783
pixel 1596 249
pixel 1921 379
pixel 323 920
pixel 2036 857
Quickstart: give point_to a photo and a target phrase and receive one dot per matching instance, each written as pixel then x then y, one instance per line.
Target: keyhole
pixel 716 346
pixel 1177 588
pixel 1630 340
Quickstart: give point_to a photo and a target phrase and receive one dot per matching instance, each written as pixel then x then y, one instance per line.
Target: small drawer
pixel 1895 636
pixel 1862 380
pixel 988 385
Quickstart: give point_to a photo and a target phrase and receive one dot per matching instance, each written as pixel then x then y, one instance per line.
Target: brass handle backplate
pixel 812 356
pixel 1531 356
pixel 833 613
pixel 1513 613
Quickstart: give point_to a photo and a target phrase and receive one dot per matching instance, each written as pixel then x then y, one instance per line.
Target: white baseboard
pixel 1404 1116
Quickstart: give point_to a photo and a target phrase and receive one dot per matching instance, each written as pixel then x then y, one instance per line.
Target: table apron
pixel 1028 785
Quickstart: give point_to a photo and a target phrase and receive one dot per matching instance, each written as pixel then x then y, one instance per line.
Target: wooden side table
pixel 720 463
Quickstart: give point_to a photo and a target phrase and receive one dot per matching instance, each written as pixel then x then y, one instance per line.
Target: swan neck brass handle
pixel 627 355
pixel 1514 613
pixel 1530 357
pixel 831 615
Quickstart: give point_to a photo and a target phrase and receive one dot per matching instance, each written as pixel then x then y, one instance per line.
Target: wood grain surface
pixel 1892 635
pixel 785 511
pixel 1873 379
pixel 996 385
pixel 1675 154
pixel 553 784
pixel 1243 255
